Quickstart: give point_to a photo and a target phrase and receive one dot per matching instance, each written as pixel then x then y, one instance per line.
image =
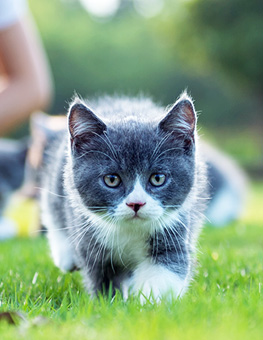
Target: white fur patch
pixel 149 212
pixel 61 250
pixel 129 234
pixel 154 282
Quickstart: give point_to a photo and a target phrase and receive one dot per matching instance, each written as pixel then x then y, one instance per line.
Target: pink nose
pixel 135 206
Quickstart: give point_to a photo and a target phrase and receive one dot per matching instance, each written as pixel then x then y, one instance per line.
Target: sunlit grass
pixel 225 301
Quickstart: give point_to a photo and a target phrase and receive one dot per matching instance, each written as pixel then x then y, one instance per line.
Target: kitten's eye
pixel 112 181
pixel 157 180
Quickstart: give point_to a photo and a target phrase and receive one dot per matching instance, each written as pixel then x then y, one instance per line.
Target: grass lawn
pixel 225 301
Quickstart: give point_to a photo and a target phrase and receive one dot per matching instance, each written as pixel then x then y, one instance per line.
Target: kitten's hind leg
pixel 61 250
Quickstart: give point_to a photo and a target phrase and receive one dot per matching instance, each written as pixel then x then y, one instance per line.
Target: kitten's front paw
pixel 65 264
pixel 154 282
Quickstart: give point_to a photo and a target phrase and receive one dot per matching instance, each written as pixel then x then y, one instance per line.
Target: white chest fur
pixel 128 233
pixel 130 245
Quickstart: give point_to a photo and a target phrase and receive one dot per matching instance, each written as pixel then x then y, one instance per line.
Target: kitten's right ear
pixel 83 124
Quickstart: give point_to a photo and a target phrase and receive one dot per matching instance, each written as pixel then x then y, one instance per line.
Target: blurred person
pixel 25 87
pixel 25 81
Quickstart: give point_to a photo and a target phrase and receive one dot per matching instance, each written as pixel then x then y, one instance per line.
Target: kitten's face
pixel 134 171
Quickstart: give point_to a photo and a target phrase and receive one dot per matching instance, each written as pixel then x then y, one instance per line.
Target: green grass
pixel 225 301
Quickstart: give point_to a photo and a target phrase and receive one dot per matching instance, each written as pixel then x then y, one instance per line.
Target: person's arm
pixel 27 85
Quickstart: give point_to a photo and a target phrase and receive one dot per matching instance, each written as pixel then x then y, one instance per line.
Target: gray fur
pixel 134 138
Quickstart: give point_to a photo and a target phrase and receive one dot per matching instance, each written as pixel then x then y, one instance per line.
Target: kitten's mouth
pixel 137 217
pixel 134 218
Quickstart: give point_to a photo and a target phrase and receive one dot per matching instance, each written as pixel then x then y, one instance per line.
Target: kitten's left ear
pixel 181 120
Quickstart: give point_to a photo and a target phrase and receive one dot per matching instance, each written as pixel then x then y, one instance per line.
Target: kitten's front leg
pixel 155 281
pixel 61 250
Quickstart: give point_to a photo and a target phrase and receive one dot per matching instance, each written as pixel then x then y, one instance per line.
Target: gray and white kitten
pixel 124 196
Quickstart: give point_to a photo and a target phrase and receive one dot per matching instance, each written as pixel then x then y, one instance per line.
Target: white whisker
pixel 50 192
pixel 159 145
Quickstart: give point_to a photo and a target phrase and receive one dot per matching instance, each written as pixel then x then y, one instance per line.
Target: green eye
pixel 112 181
pixel 157 179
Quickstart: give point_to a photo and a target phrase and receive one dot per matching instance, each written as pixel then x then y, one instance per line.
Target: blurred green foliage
pixel 225 38
pixel 211 47
pixel 232 37
pixel 180 48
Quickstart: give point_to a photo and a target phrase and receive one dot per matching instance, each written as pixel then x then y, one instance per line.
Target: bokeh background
pixel 214 48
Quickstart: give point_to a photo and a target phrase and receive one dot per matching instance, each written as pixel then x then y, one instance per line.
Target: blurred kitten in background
pixel 228 187
pixel 12 171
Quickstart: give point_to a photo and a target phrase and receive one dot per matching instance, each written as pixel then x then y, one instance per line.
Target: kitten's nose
pixel 136 205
